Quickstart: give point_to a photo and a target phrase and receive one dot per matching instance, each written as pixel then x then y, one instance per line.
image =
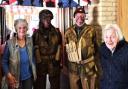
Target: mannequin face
pixel 46 22
pixel 80 19
pixel 111 39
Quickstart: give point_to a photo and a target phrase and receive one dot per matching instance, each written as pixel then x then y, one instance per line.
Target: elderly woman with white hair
pixel 114 59
pixel 18 60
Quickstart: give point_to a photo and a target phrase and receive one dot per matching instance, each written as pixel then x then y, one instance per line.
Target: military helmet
pixel 45 13
pixel 79 10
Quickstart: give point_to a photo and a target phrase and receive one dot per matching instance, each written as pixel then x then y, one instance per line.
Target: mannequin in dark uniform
pixel 47 45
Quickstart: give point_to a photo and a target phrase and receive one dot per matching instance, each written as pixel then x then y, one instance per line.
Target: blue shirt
pixel 5 60
pixel 25 70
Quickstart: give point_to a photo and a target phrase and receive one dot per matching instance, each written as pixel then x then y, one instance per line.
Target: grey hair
pixel 17 21
pixel 114 27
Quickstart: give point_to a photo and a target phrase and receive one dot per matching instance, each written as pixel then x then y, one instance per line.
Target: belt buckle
pixel 80 62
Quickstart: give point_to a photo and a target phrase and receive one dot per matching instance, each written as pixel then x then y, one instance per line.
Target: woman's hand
pixel 11 81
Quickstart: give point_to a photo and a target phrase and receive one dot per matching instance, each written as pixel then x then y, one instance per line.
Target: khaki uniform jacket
pixel 89 47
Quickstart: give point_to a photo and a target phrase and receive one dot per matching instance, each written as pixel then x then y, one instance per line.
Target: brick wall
pixel 105 12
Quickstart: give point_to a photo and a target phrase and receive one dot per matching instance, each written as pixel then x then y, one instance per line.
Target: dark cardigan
pixel 114 67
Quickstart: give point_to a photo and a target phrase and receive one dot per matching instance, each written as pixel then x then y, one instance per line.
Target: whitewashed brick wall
pixel 107 10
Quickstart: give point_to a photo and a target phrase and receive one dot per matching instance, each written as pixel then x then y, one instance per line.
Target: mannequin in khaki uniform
pixel 81 48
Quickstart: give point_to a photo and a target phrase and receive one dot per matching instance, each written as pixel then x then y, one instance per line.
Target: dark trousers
pixel 41 82
pixel 26 84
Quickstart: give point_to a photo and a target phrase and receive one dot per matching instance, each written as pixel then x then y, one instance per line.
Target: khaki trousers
pixel 77 82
